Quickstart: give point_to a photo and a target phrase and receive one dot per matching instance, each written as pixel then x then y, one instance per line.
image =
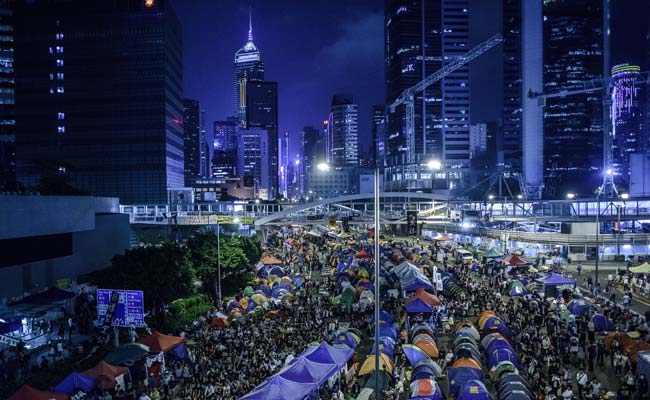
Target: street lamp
pixel 570 196
pixel 625 196
pixel 323 167
pixel 491 197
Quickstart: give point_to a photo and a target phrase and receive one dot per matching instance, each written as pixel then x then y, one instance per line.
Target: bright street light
pixel 625 196
pixel 236 220
pixel 491 197
pixel 323 167
pixel 434 164
pixel 609 171
pixel 520 196
pixel 570 195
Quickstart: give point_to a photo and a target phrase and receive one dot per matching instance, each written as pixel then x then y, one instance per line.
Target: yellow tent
pixel 385 363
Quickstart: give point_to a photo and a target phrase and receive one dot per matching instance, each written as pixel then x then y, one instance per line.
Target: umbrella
pixel 385 364
pixel 248 291
pixel 414 354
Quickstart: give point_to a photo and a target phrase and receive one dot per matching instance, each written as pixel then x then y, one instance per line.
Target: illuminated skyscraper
pixel 7 104
pixel 248 66
pixel 191 140
pixel 313 152
pixel 224 159
pixel 344 131
pixel 627 118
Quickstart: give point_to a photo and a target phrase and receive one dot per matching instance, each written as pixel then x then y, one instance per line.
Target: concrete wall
pixel 92 250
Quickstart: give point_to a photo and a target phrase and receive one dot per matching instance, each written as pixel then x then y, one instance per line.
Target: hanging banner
pixel 104 333
pixel 412 223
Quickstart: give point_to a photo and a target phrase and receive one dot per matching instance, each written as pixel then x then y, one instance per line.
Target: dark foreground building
pixel 99 96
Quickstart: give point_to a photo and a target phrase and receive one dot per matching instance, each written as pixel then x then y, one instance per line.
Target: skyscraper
pixel 284 164
pixel 205 146
pixel 573 125
pixel 378 111
pixel 628 119
pixel 100 89
pixel 511 118
pixel 262 112
pixel 253 163
pixel 7 104
pixel 248 66
pixel 191 140
pixel 344 131
pixel 419 36
pixel 224 159
pixel 312 149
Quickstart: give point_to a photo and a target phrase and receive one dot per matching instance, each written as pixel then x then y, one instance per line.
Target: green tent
pixel 348 296
pixel 516 288
pixel 492 253
pixel 641 269
pixel 248 291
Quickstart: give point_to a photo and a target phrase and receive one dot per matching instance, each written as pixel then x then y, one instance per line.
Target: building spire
pixel 250 24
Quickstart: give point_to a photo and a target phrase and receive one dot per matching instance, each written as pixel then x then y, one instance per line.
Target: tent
pixel 384 316
pixel 27 392
pixel 641 269
pixel 442 239
pixel 430 299
pixel 388 330
pixel 414 280
pixel 426 389
pixel 602 323
pixel 280 388
pixel 127 354
pixel 487 339
pixel 385 364
pixel 557 279
pixel 492 253
pixel 75 381
pixel 158 342
pixel 425 369
pixel 270 260
pixel 460 375
pixel 578 306
pixel 418 306
pixel 466 363
pixel 469 331
pixel 499 355
pixel 363 254
pixel 384 380
pixel 474 390
pixel 413 353
pixel 105 374
pixel 495 324
pixel 516 288
pixel 347 338
pixel 515 261
pixel 428 346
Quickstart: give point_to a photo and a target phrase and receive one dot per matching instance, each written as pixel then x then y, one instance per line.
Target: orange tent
pixel 270 260
pixel 105 374
pixel 428 346
pixel 27 392
pixel 461 324
pixel 466 362
pixel 515 261
pixel 158 342
pixel 363 254
pixel 430 299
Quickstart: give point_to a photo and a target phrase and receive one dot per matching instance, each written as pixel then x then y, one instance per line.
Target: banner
pixel 104 333
pixel 333 222
pixel 412 223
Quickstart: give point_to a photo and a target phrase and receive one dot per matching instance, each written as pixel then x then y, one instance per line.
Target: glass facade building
pixel 7 103
pixel 224 159
pixel 511 118
pixel 343 131
pixel 248 66
pixel 191 139
pixel 100 91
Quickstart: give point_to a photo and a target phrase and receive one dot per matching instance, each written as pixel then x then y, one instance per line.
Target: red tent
pixel 27 392
pixel 363 254
pixel 158 342
pixel 515 261
pixel 430 299
pixel 105 374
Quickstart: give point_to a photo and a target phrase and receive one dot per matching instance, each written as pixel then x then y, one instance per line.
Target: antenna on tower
pixel 250 23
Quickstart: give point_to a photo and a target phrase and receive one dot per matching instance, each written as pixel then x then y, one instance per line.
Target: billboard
pixel 129 309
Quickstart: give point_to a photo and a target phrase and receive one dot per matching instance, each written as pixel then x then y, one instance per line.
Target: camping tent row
pixel 449 286
pixel 304 374
pixel 584 308
pixel 410 277
pixel 421 351
pixel 501 359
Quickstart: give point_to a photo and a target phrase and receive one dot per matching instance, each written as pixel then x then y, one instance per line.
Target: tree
pixel 203 252
pixel 232 255
pixel 251 247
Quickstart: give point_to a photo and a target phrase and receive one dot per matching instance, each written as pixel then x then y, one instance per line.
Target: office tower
pixel 511 118
pixel 477 138
pixel 418 35
pixel 204 146
pixel 253 160
pixel 284 164
pixel 628 119
pixel 312 148
pixel 248 66
pixel 7 104
pixel 378 111
pixel 344 131
pixel 224 159
pixel 573 125
pixel 100 89
pixel 262 112
pixel 191 140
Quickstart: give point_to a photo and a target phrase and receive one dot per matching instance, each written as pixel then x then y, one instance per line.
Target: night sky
pixel 314 49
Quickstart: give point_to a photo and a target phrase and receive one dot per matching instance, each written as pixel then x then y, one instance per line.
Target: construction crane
pixel 407 97
pixel 597 85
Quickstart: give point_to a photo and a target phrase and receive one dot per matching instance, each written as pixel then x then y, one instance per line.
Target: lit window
pixel 51 90
pixel 59 49
pixel 60 116
pixel 59 89
pixel 59 75
pixel 59 36
pixel 59 63
pixel 51 77
pixel 60 129
pixel 62 170
pixel 51 51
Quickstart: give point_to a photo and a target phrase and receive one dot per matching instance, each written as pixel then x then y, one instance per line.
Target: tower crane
pixel 407 97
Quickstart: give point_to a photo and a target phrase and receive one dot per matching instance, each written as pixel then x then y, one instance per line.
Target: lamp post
pixel 219 263
pixel 324 167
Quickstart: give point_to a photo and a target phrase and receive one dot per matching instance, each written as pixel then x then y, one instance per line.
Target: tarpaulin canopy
pixel 279 388
pixel 492 253
pixel 556 280
pixel 515 261
pixel 127 354
pixel 516 288
pixel 304 370
pixel 75 381
pixel 158 342
pixel 27 392
pixel 418 306
pixel 641 269
pixel 429 298
pixel 105 374
pixel 325 354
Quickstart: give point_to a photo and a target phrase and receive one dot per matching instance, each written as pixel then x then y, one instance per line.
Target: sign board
pixel 412 223
pixel 129 310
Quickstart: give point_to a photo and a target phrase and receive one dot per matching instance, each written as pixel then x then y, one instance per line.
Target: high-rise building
pixel 284 164
pixel 344 131
pixel 419 37
pixel 248 66
pixel 378 115
pixel 511 118
pixel 573 125
pixel 477 139
pixel 224 159
pixel 191 140
pixel 312 148
pixel 205 146
pixel 628 119
pixel 253 160
pixel 100 89
pixel 262 112
pixel 7 104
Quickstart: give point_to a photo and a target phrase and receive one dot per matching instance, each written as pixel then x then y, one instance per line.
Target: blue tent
pixel 75 381
pixel 501 354
pixel 326 354
pixel 426 369
pixel 516 395
pixel 277 271
pixel 341 267
pixel 496 323
pixel 414 280
pixel 388 330
pixel 513 386
pixel 474 390
pixel 347 339
pixel 602 323
pixel 307 371
pixel 458 377
pixel 498 344
pixel 557 279
pixel 418 306
pixel 383 348
pixel 264 289
pixel 385 316
pixel 279 388
pixel 232 305
pixel 578 306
